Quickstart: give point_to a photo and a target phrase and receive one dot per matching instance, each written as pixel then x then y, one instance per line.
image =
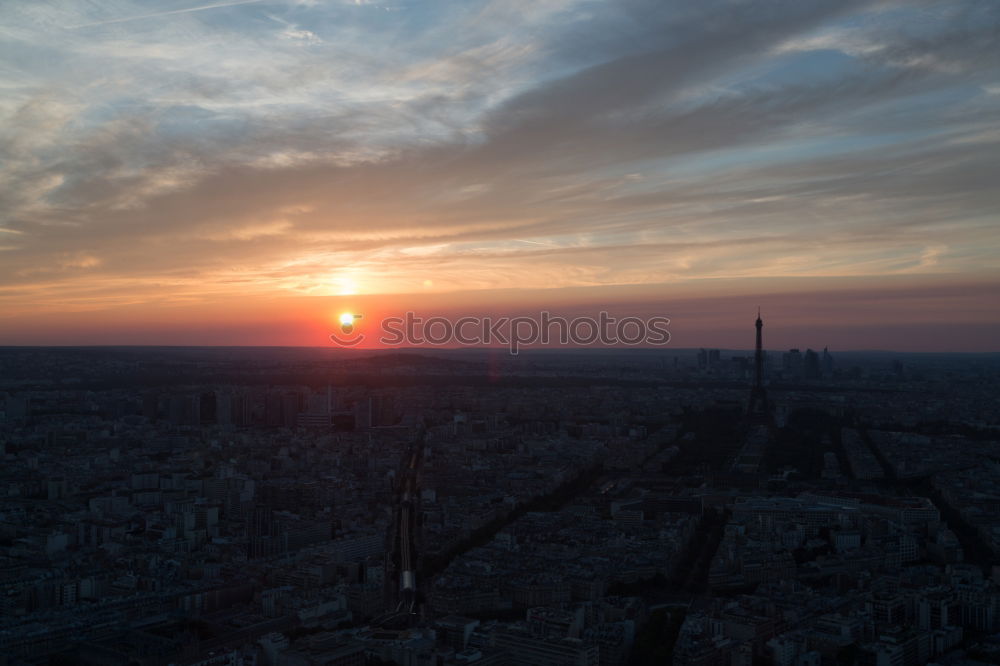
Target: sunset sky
pixel 185 172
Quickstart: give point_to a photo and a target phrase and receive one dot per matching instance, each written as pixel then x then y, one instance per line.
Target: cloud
pixel 305 36
pixel 493 146
pixel 173 12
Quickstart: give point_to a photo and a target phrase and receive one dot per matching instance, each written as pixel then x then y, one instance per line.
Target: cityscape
pixel 694 507
pixel 499 332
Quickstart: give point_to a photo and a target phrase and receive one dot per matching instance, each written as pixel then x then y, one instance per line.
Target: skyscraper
pixel 827 363
pixel 810 365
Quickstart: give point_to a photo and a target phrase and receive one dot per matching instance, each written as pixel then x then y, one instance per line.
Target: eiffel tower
pixel 758 408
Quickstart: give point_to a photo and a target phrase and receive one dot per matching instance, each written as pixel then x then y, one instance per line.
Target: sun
pixel 346 319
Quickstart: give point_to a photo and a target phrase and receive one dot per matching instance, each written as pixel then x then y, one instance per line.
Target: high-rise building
pixel 791 363
pixel 272 410
pixel 223 409
pixel 810 365
pixel 185 409
pixel 207 408
pixel 291 405
pixel 827 363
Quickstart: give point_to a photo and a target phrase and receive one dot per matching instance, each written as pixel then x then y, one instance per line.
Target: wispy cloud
pixel 171 12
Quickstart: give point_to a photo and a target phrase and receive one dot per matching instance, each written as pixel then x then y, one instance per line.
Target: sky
pixel 241 172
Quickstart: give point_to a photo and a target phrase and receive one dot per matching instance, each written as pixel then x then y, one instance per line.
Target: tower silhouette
pixel 758 396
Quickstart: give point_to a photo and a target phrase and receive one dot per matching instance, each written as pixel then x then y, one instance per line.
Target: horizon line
pixel 355 350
